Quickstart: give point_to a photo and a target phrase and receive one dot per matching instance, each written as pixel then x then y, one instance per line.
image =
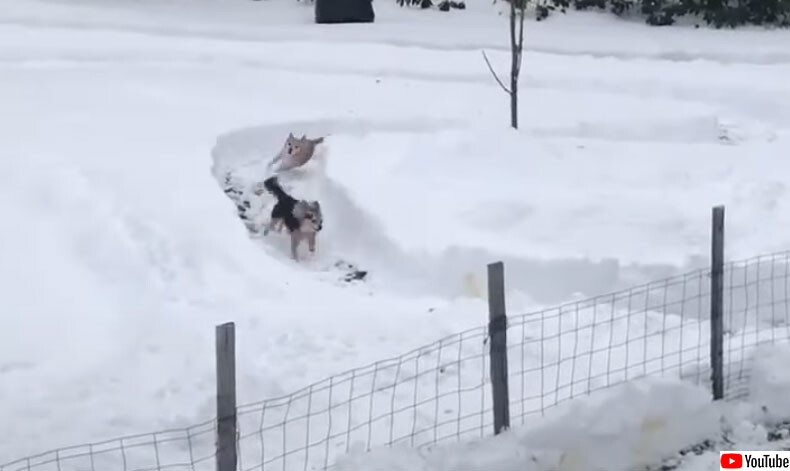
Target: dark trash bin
pixel 344 11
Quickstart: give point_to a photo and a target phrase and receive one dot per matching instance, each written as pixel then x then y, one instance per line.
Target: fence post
pixel 226 397
pixel 717 304
pixel 497 334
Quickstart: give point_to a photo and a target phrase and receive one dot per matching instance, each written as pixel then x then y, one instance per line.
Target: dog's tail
pixel 273 186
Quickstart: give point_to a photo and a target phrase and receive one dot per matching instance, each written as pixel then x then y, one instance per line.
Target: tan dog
pixel 295 152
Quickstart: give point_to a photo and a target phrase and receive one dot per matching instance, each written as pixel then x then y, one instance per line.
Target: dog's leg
pixel 311 242
pixel 295 239
pixel 270 226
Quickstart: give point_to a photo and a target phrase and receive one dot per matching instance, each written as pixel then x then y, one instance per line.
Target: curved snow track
pixel 358 235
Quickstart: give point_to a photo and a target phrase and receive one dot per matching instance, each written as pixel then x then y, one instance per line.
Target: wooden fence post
pixel 717 304
pixel 226 397
pixel 497 334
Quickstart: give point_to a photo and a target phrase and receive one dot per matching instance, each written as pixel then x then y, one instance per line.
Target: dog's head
pixel 309 213
pixel 293 144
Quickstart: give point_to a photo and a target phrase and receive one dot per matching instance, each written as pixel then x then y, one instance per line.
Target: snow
pixel 641 424
pixel 120 253
pixel 769 381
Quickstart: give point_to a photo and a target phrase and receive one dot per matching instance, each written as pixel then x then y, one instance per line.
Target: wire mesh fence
pixel 757 312
pixel 191 448
pixel 442 392
pixel 575 349
pixel 432 394
pixel 660 328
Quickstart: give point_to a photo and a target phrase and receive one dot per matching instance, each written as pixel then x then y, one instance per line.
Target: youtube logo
pixel 731 461
pixel 762 459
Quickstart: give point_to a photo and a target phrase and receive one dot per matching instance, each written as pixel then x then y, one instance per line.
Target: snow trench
pixel 354 240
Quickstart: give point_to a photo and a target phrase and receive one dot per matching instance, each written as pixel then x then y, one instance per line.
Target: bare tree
pixel 517 13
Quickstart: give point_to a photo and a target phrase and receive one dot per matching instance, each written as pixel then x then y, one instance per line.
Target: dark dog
pixel 303 219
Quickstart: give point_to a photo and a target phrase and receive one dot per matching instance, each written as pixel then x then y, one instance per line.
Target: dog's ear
pixel 290 135
pixel 316 205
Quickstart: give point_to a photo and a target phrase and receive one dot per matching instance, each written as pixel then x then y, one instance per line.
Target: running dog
pixel 303 219
pixel 296 152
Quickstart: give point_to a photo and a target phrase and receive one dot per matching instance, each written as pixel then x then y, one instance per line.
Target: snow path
pixel 355 227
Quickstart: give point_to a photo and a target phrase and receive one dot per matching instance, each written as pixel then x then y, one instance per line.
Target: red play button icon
pixel 731 461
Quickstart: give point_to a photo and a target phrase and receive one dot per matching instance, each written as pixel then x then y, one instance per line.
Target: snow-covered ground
pixel 651 424
pixel 119 251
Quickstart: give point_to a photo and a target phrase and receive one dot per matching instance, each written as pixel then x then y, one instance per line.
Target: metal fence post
pixel 497 334
pixel 226 397
pixel 717 304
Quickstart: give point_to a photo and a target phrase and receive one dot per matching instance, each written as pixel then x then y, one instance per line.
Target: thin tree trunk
pixel 516 48
pixel 514 56
pixel 514 103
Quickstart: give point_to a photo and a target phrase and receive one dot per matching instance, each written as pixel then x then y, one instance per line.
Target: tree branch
pixel 496 77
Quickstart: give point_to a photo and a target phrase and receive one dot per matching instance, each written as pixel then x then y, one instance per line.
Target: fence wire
pixel 433 394
pixel 756 313
pixel 575 349
pixel 442 392
pixel 192 449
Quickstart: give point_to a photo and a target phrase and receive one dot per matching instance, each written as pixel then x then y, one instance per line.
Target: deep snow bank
pixel 770 381
pixel 637 425
pixel 627 427
pixel 563 198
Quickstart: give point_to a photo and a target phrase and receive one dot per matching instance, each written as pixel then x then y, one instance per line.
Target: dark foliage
pixel 443 5
pixel 717 13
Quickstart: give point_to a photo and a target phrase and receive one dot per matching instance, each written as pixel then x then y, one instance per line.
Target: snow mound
pixel 628 426
pixel 770 381
pixel 650 423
